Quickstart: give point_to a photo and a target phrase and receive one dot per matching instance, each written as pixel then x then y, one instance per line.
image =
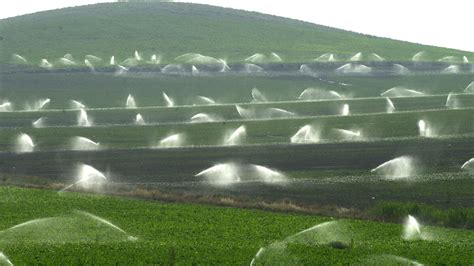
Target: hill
pixel 172 29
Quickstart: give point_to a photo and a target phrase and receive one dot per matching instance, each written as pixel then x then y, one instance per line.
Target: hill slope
pixel 176 28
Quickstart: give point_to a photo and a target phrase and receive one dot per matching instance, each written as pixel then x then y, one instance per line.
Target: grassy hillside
pixel 176 28
pixel 189 233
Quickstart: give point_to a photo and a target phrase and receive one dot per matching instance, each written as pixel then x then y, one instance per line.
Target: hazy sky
pixel 436 22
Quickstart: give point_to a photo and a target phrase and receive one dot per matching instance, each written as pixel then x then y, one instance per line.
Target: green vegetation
pixel 334 167
pixel 101 91
pixel 332 177
pixel 229 112
pixel 189 233
pixel 372 126
pixel 453 217
pixel 322 174
pixel 177 28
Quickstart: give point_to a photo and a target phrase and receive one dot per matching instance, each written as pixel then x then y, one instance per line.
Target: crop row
pixel 325 129
pixel 103 91
pixel 274 110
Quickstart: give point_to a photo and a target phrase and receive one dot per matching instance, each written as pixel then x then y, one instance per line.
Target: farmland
pixel 107 91
pixel 251 160
pixel 330 176
pixel 164 230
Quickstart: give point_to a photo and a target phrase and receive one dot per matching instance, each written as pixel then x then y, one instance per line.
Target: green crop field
pixel 173 160
pixel 229 112
pixel 324 174
pixel 188 233
pixel 100 91
pixel 371 126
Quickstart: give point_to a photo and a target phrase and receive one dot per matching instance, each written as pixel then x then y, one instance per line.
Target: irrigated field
pixel 322 167
pixel 349 135
pixel 268 131
pixel 105 91
pixel 189 233
pixel 230 112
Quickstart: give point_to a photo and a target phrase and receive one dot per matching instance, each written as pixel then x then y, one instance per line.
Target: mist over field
pixel 155 132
